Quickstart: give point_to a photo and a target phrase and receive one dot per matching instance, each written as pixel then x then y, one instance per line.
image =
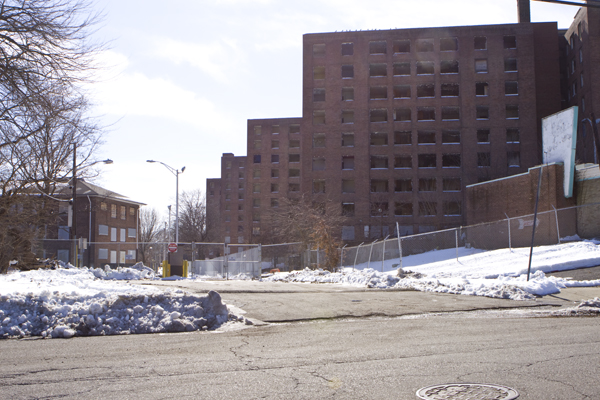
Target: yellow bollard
pixel 166 269
pixel 185 269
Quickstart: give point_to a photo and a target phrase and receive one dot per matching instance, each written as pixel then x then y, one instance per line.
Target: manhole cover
pixel 467 391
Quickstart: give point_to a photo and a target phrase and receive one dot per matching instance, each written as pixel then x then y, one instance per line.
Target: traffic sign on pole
pixel 172 247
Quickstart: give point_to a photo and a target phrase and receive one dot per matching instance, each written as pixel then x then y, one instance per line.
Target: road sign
pixel 172 247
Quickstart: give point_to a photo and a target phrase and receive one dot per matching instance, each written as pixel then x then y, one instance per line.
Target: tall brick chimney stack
pixel 524 11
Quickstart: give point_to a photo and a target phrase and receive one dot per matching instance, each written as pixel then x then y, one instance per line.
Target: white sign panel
pixel 559 135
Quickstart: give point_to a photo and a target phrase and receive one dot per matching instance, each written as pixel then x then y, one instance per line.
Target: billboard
pixel 559 136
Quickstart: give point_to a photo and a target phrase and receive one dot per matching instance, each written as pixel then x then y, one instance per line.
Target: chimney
pixel 524 11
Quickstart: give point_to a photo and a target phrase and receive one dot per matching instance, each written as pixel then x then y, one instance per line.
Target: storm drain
pixel 467 391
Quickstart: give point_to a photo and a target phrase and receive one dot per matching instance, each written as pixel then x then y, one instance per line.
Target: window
pixel 450 113
pixel 256 217
pixel 483 135
pixel 513 158
pixel 448 44
pixel 294 158
pixel 403 209
pixel 481 66
pixel 319 186
pixel 402 92
pixel 402 161
pixel 426 90
pixel 425 68
pixel 401 69
pixel 452 208
pixel 480 43
pixel 426 137
pixel 319 50
pixel 512 111
pixel 123 212
pixel 402 137
pixel 274 202
pixel 483 159
pixel 255 203
pixel 113 234
pixel 379 185
pixel 318 117
pixel 256 159
pixel 378 92
pixel 482 89
pixel 102 229
pixel 257 131
pixel 294 187
pixel 240 176
pixel 274 187
pixel 274 173
pixel 275 129
pixel 347 94
pixel 401 46
pixel 379 162
pixel 347 139
pixel 347 49
pixel 402 114
pixel 451 160
pixel 425 114
pixel 424 45
pixel 241 207
pixel 451 184
pixel 450 89
pixel 103 206
pixel 427 208
pixel 318 164
pixel 318 94
pixel 347 116
pixel 378 115
pixel 294 128
pixel 103 254
pixel 275 158
pixel 379 47
pixel 581 79
pixel 449 67
pixel 347 72
pixel 427 160
pixel 402 185
pixel 113 211
pixel 256 188
pixel 318 72
pixel 482 112
pixel 379 139
pixel 241 196
pixel 510 65
pixel 450 136
pixel 510 42
pixel 376 70
pixel 511 88
pixel 294 172
pixel 581 56
pixel 380 209
pixel 427 184
pixel 294 143
pixel 240 218
pixel 348 186
pixel 318 140
pixel 348 209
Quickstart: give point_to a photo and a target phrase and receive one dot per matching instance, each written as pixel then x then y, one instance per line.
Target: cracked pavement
pixel 345 344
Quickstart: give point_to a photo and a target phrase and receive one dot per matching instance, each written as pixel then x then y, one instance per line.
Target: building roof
pixel 89 189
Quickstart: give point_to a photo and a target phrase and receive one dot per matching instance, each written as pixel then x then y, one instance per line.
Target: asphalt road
pixel 346 343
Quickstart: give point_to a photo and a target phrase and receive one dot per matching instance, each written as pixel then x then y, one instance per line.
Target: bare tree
pixel 192 220
pixel 45 56
pixel 151 231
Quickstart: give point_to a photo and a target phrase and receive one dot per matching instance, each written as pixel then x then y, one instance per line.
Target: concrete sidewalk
pixel 286 302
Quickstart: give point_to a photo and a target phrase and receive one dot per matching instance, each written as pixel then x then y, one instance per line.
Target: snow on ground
pixel 83 302
pixel 499 273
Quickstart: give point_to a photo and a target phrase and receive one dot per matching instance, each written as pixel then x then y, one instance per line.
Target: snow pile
pixel 500 273
pixel 587 307
pixel 73 302
pixel 137 272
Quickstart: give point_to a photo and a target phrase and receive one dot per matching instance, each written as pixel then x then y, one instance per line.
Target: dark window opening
pixel 449 67
pixel 347 162
pixel 348 186
pixel 347 139
pixel 257 159
pixel 482 89
pixel 450 113
pixel 512 111
pixel 425 68
pixel 402 137
pixel 379 186
pixel 451 160
pixel 452 208
pixel 426 90
pixel 376 70
pixel 294 172
pixel 274 158
pixel 347 116
pixel 319 186
pixel 426 114
pixel 378 92
pixel 379 47
pixel 318 140
pixel 274 173
pixel 378 115
pixel 318 94
pixel 402 114
pixel 402 161
pixel 319 72
pixel 510 64
pixel 403 209
pixel 511 88
pixel 294 187
pixel 347 71
pixel 427 185
pixel 450 137
pixel 484 160
pixel 401 46
pixel 379 209
pixel 483 135
pixel 426 137
pixel 347 94
pixel 450 90
pixel 427 208
pixel 448 44
pixel 347 49
pixel 513 158
pixel 480 43
pixel 424 45
pixel 402 68
pixel 294 158
pixel 451 185
pixel 403 185
pixel 295 128
pixel 318 164
pixel 512 135
pixel 427 160
pixel 379 139
pixel 379 162
pixel 510 42
pixel 348 209
pixel 294 144
pixel 402 92
pixel 318 117
pixel 482 112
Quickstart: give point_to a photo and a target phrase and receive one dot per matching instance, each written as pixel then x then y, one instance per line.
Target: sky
pixel 179 80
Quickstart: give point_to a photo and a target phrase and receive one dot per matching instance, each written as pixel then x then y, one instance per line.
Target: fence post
pixel 557 230
pixel 225 262
pixel 456 239
pixel 370 253
pixel 399 243
pixel 383 253
pixel 356 256
pixel 509 238
pixel 342 257
pixel 259 260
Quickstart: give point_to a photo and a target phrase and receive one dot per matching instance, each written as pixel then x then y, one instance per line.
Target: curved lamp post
pixel 175 172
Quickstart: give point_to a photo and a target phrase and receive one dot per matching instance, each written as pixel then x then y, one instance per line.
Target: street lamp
pixel 175 172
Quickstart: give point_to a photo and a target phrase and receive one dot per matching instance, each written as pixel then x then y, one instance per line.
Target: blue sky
pixel 180 79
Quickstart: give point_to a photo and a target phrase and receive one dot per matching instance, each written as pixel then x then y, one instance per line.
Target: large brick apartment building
pixel 395 124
